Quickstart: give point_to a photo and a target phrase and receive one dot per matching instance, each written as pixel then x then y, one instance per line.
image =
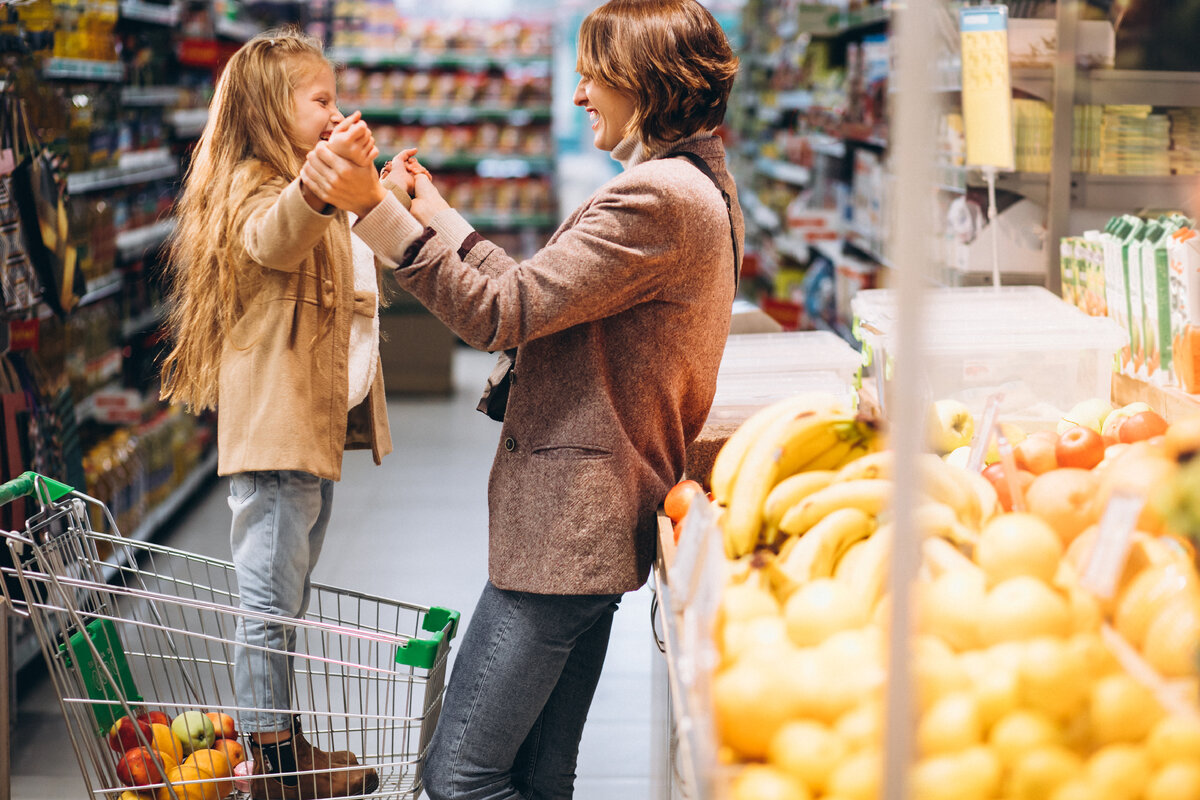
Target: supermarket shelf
pixel 429 115
pixel 758 213
pixel 388 58
pixel 26 650
pixel 151 12
pixel 188 122
pixel 100 290
pixel 238 30
pixel 862 244
pixel 148 318
pixel 1111 86
pixel 148 96
pixel 827 146
pixel 1101 191
pixel 134 243
pixel 497 221
pixel 783 171
pixel 487 166
pixel 82 69
pixel 134 168
pixel 845 23
pixel 790 246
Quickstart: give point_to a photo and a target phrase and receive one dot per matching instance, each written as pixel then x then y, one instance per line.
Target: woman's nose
pixel 580 98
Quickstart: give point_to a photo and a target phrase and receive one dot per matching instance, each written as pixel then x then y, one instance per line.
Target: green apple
pixel 195 730
pixel 950 425
pixel 1112 422
pixel 1089 413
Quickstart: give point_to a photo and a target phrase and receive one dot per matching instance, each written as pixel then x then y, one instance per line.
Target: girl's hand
pixel 427 201
pixel 352 140
pixel 402 178
pixel 340 181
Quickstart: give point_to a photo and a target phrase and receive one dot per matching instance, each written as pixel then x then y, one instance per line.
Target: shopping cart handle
pixel 423 653
pixel 26 483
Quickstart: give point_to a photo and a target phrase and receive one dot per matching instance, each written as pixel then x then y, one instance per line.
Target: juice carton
pixel 1131 257
pixel 1093 281
pixel 1115 289
pixel 1066 265
pixel 1184 258
pixel 1156 284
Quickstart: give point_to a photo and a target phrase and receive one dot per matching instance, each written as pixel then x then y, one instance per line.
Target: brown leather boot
pixel 318 779
pixel 323 760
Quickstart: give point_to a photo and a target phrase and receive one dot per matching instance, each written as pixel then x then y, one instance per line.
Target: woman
pixel 619 324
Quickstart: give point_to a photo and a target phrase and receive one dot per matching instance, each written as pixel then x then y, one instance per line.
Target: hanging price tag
pixel 986 86
pixel 983 433
pixel 1109 554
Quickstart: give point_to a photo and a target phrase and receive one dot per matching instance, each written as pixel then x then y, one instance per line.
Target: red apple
pixel 139 767
pixel 223 725
pixel 1079 447
pixel 124 734
pixel 151 717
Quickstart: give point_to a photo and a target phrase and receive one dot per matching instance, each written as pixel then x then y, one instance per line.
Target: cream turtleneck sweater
pixel 631 151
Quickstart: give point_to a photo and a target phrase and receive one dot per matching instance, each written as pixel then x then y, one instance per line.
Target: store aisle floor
pixel 415 529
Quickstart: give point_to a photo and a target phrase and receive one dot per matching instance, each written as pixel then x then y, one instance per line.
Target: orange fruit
pixel 680 497
pixel 193 783
pixel 164 740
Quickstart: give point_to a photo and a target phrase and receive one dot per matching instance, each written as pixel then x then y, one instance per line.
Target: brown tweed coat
pixel 620 321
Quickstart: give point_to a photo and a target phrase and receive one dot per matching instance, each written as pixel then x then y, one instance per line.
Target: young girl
pixel 274 324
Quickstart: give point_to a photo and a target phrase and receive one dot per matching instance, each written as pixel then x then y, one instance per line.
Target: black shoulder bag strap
pixel 702 165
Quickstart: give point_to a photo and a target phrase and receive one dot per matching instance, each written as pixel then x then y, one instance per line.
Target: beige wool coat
pixel 284 378
pixel 620 322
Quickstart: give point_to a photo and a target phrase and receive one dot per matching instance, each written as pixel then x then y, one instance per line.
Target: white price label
pixel 1111 551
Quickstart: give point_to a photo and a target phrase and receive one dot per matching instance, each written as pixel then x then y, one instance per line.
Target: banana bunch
pixel 808 433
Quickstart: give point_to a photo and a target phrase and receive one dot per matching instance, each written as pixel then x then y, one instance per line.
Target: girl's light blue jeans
pixel 279 523
pixel 523 680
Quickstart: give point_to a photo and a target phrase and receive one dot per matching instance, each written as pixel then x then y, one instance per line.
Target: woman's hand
pixel 427 201
pixel 341 182
pixel 402 178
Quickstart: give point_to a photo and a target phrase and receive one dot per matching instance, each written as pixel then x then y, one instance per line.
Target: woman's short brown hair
pixel 671 55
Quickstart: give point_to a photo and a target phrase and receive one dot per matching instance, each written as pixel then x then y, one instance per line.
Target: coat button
pixel 510 443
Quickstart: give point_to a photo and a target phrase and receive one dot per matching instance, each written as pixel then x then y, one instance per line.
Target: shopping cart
pixel 128 627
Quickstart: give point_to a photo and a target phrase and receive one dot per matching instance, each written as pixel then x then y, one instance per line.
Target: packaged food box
pixel 759 368
pixel 1041 354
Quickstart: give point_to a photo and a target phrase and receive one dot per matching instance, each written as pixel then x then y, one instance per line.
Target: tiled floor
pixel 415 529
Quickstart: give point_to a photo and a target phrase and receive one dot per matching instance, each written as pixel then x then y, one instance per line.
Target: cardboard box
pixel 416 350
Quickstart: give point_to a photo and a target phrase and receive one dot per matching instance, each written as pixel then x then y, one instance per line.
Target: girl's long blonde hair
pixel 247 141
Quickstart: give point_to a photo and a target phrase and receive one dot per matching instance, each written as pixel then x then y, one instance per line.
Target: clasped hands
pixel 341 172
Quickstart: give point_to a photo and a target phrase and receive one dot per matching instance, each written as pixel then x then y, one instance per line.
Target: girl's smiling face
pixel 316 112
pixel 609 111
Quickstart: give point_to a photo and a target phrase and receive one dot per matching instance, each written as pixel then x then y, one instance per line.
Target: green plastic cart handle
pixel 423 652
pixel 26 483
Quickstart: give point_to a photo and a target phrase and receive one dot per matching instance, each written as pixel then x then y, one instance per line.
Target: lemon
pixel 1011 545
pixel 1022 608
pixel 1174 738
pixel 1123 769
pixel 936 669
pixel 1092 649
pixel 1040 771
pixel 951 724
pixel 1081 788
pixel 949 607
pixel 861 727
pixel 1122 710
pixel 1173 638
pixel 748 704
pixel 948 776
pixel 762 782
pixel 1176 781
pixel 1053 677
pixel 821 608
pixel 983 768
pixel 807 751
pixel 742 636
pixel 1021 731
pixel 858 776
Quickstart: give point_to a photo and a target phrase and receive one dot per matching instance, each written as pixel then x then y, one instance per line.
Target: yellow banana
pixel 848 563
pixel 989 501
pixel 816 553
pixel 829 458
pixel 759 472
pixel 948 484
pixel 865 567
pixel 873 465
pixel 729 458
pixel 787 493
pixel 869 496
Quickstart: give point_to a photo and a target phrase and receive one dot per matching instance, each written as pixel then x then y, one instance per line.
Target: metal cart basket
pixel 129 627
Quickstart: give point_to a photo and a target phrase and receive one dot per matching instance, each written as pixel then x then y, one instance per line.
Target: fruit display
pixel 195 753
pixel 1055 648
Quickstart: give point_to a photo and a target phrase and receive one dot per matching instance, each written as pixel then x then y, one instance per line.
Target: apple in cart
pixel 223 725
pixel 195 730
pixel 128 733
pixel 1091 413
pixel 142 766
pixel 152 717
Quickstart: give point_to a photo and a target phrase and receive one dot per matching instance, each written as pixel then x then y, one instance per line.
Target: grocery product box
pixel 759 368
pixel 1041 354
pixel 1033 43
